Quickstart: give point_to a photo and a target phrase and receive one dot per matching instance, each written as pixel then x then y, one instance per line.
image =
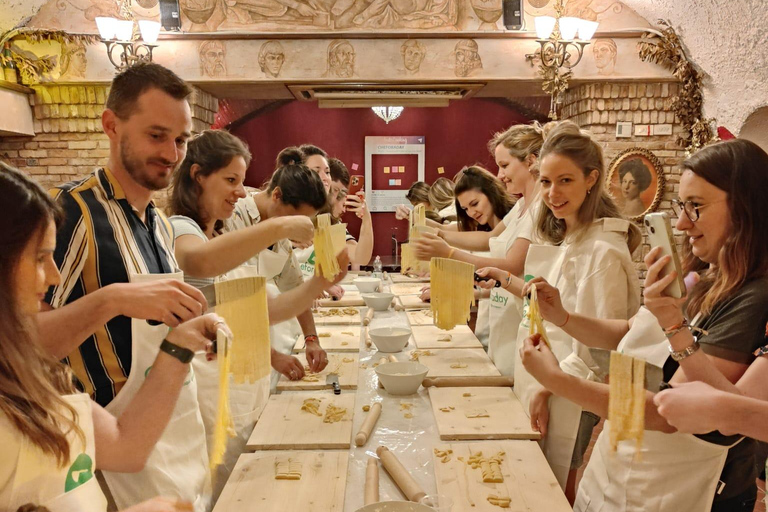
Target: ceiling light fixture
pixel 388 113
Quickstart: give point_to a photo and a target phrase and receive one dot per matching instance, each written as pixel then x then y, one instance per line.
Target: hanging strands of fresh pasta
pixel 535 320
pixel 452 292
pixel 626 400
pixel 224 427
pixel 243 305
pixel 329 242
pixel 417 223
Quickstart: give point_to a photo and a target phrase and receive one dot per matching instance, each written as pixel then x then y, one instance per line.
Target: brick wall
pixel 70 143
pixel 598 107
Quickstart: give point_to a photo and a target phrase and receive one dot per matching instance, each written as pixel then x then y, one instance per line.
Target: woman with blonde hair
pixel 53 437
pixel 584 245
pixel 712 335
pixel 442 199
pixel 516 152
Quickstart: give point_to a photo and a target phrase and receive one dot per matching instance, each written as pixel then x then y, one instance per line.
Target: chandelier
pixel 124 49
pixel 562 40
pixel 388 113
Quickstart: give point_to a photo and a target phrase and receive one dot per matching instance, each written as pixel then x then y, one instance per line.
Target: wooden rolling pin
pixel 457 382
pixel 399 474
pixel 367 427
pixel 368 342
pixel 371 482
pixel 368 316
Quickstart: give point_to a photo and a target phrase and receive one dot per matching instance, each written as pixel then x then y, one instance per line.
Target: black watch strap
pixel 182 354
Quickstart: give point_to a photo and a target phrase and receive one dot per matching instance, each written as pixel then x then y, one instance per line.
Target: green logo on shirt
pixel 311 259
pixel 79 472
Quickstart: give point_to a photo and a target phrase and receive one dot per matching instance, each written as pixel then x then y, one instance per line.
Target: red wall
pixel 455 136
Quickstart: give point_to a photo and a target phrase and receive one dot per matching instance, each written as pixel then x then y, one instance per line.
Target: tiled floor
pixel 759 507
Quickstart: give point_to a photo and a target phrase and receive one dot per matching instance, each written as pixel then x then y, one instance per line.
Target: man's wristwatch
pixel 182 354
pixel 679 355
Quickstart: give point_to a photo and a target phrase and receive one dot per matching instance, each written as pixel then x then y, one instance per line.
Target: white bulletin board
pixel 384 191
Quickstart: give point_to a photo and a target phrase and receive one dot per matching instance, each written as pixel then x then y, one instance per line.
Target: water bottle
pixel 377 267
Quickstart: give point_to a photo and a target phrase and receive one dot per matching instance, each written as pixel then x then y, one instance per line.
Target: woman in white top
pixel 53 438
pixel 482 203
pixel 723 212
pixel 585 248
pixel 207 187
pixel 516 153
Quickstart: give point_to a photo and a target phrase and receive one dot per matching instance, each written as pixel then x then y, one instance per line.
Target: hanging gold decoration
pixel 667 51
pixel 31 69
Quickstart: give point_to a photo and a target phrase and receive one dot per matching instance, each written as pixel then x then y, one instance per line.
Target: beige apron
pixel 246 401
pixel 178 465
pixel 74 487
pixel 564 416
pixel 675 472
pixel 504 319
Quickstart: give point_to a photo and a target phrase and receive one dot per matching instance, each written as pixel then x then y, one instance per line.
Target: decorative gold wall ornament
pixel 664 48
pixel 32 67
pixel 636 182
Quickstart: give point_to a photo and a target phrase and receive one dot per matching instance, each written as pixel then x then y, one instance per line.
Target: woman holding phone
pixel 711 335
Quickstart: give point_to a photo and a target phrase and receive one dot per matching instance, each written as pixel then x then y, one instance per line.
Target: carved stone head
pixel 341 59
pixel 467 57
pixel 605 53
pixel 213 58
pixel 271 58
pixel 413 53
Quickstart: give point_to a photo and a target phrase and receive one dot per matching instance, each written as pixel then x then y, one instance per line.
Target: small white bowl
pixel 367 284
pixel 401 378
pixel 378 301
pixel 395 506
pixel 390 339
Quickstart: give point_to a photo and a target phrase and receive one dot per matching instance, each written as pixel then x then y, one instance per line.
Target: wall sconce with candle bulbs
pixel 119 34
pixel 562 40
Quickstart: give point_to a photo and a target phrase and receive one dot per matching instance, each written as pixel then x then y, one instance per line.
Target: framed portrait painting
pixel 636 182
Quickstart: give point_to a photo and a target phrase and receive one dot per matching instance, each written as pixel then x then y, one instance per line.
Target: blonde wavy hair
pixel 522 140
pixel 568 140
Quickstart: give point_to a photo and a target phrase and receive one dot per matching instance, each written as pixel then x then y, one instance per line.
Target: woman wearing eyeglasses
pixel 709 335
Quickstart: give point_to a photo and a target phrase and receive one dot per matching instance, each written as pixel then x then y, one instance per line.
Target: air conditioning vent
pixel 367 95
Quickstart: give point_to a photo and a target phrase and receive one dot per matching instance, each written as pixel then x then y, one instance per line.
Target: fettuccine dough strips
pixel 452 292
pixel 626 401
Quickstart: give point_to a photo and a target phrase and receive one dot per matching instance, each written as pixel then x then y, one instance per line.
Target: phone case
pixel 660 235
pixel 356 185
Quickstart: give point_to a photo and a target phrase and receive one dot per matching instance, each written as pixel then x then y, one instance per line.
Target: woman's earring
pixel 589 191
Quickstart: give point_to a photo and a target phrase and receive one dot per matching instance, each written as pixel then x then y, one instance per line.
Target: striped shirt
pixel 103 241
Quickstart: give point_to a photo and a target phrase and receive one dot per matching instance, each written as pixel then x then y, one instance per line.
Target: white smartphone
pixel 660 235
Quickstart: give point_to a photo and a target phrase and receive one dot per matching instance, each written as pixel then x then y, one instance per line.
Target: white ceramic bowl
pixel 395 506
pixel 401 378
pixel 367 284
pixel 378 301
pixel 390 339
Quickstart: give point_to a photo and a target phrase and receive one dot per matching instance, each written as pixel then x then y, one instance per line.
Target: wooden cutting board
pixel 413 302
pixel 528 480
pixel 350 298
pixel 429 336
pixel 400 278
pixel 284 426
pixel 340 339
pixel 420 317
pixel 252 485
pixel 335 319
pixel 500 414
pixel 344 365
pixel 407 288
pixel 469 362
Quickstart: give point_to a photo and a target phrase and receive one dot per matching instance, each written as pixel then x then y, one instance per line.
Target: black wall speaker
pixel 513 14
pixel 169 14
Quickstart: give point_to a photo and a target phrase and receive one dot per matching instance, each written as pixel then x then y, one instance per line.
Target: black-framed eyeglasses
pixel 691 208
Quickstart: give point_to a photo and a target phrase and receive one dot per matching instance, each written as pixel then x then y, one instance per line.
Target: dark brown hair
pixel 130 84
pixel 339 171
pixel 475 177
pixel 291 155
pixel 418 193
pixel 212 150
pixel 740 168
pixel 299 185
pixel 309 149
pixel 31 380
